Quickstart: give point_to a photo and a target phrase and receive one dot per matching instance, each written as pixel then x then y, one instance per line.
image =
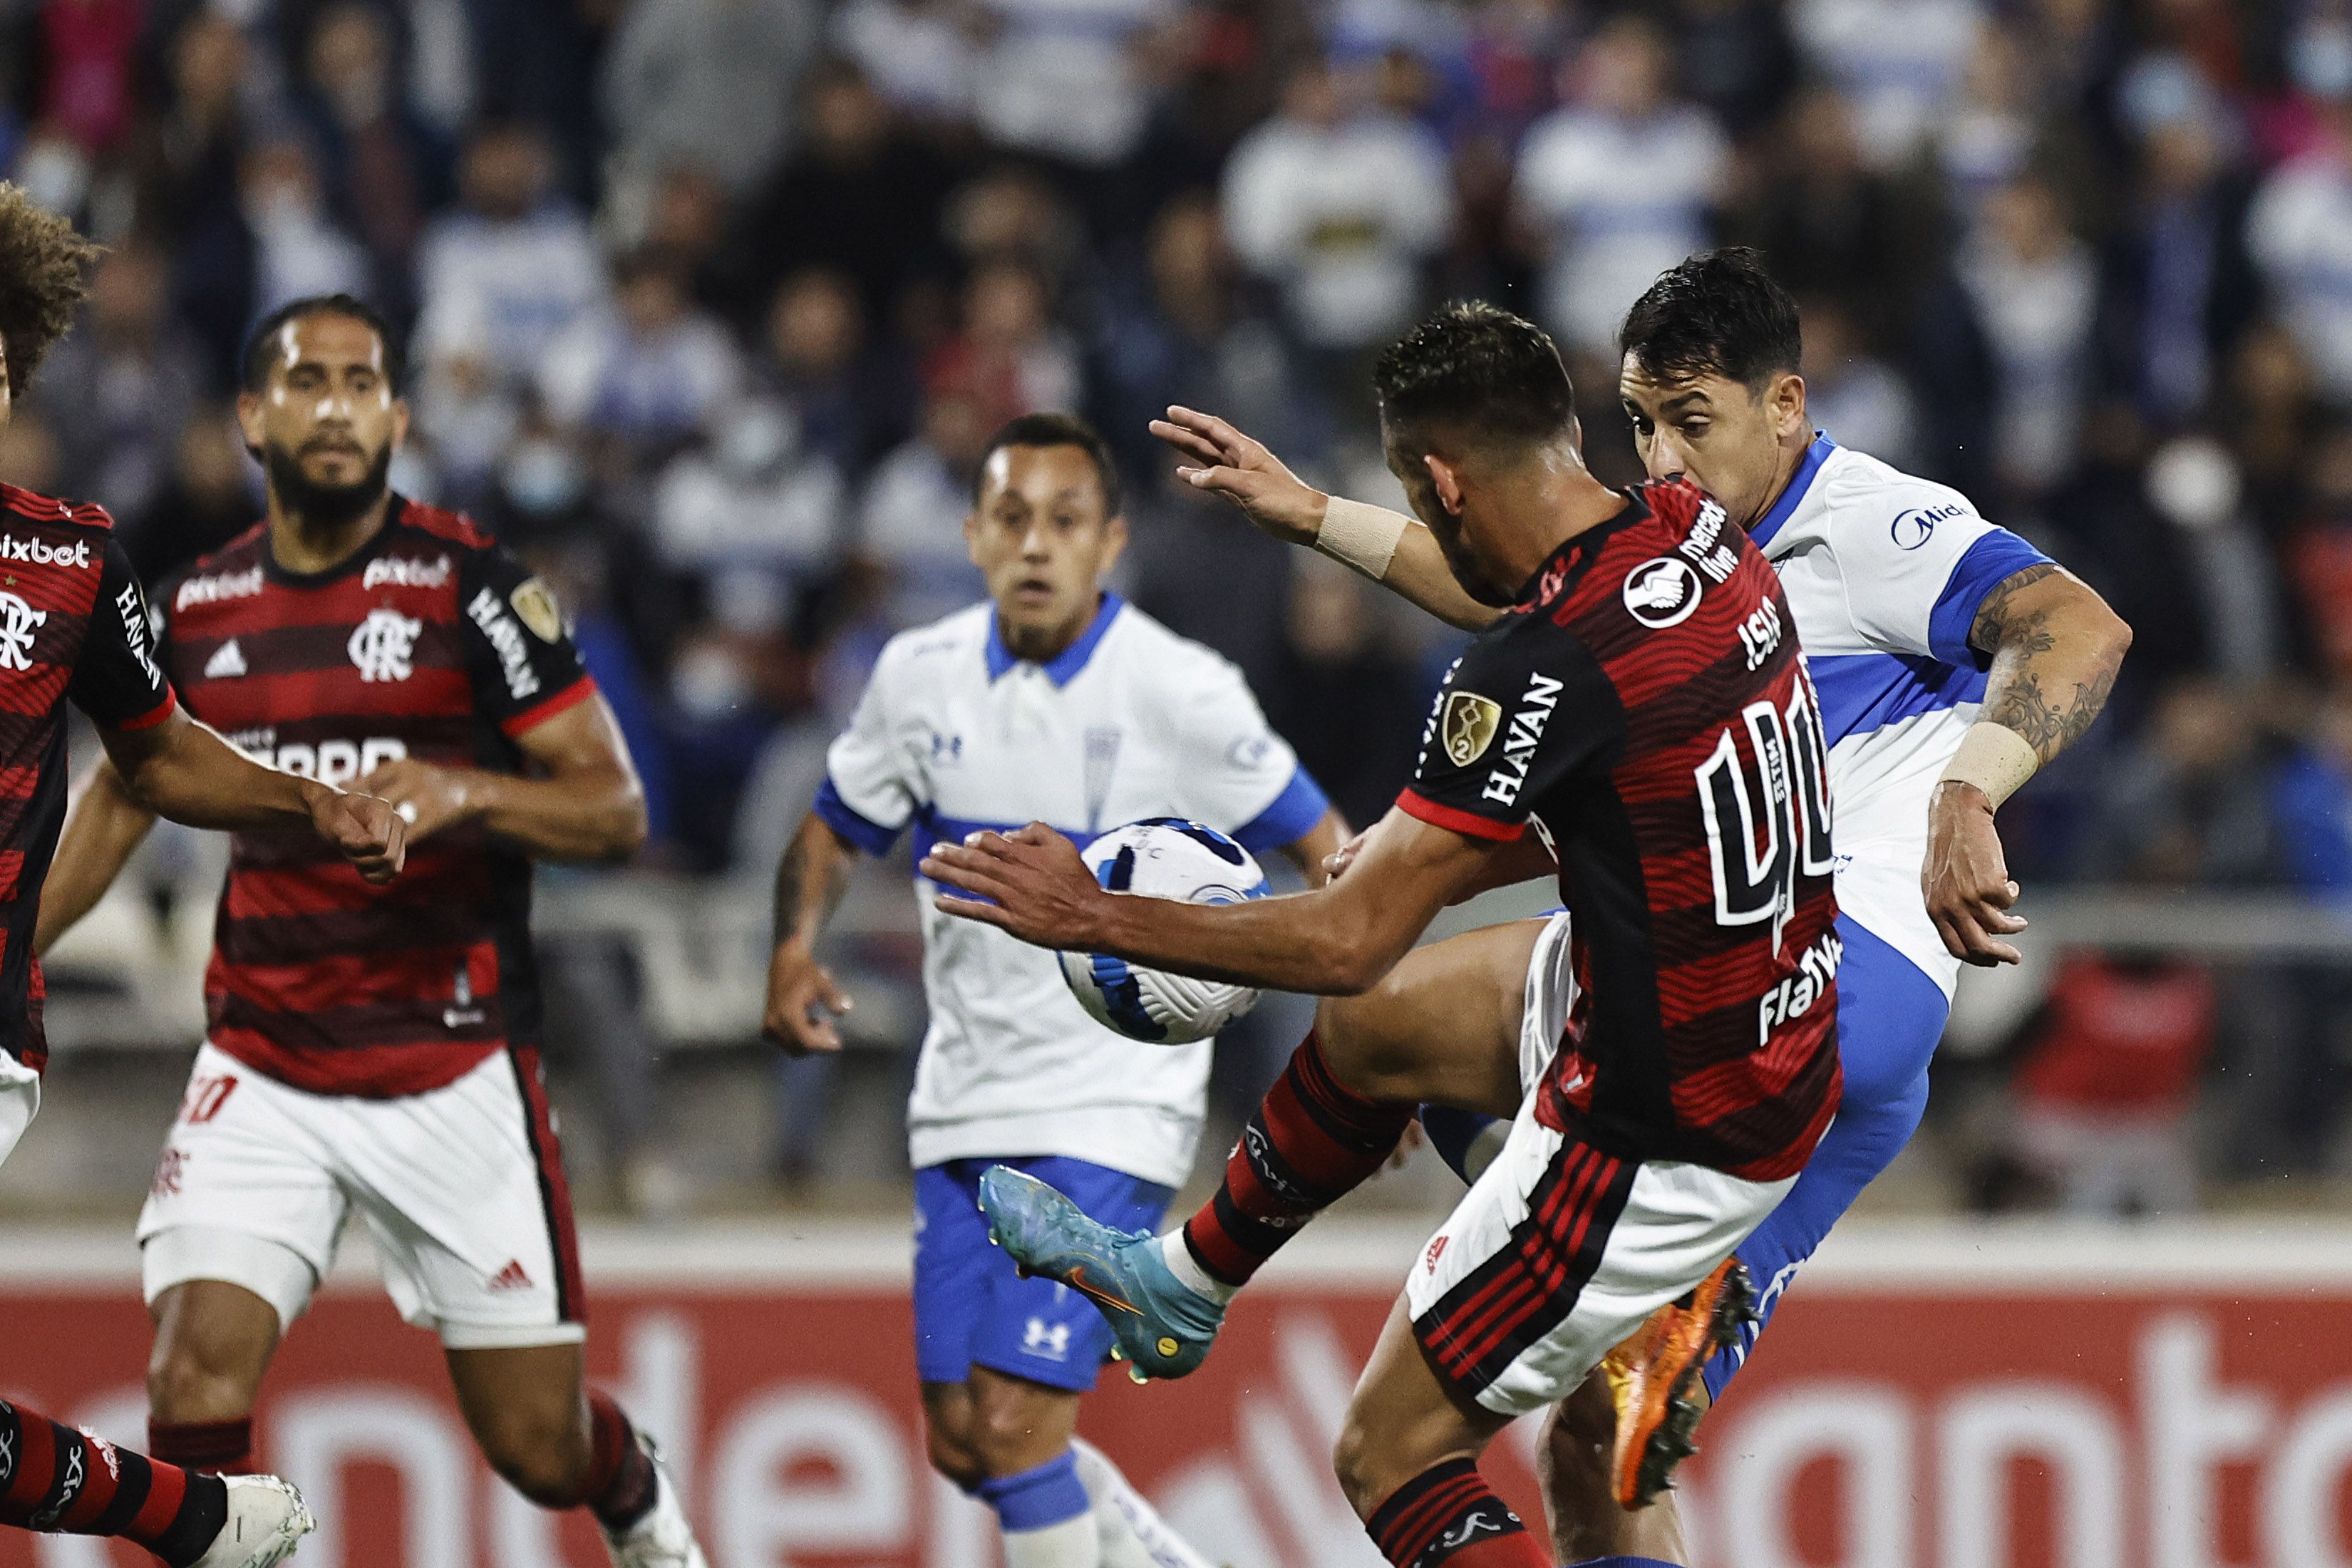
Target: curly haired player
pixel 74 624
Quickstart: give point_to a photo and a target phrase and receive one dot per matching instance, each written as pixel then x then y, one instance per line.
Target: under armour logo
pixel 19 622
pixel 1044 1339
pixel 381 645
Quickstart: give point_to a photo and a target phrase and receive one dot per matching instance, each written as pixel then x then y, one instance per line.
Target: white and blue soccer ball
pixel 1164 857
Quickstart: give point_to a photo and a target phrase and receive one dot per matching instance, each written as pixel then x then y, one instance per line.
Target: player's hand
pixel 429 799
pixel 366 828
pixel 803 1002
pixel 1043 892
pixel 1340 859
pixel 1223 462
pixel 1966 878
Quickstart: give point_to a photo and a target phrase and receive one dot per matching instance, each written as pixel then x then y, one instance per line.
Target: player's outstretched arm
pixel 583 802
pixel 1315 852
pixel 1223 462
pixel 1336 941
pixel 2056 649
pixel 802 998
pixel 181 769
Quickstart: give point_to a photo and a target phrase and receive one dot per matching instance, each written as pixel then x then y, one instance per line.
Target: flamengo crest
pixel 19 622
pixel 381 645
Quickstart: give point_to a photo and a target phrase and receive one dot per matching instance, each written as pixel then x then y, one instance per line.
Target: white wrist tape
pixel 1995 758
pixel 1360 535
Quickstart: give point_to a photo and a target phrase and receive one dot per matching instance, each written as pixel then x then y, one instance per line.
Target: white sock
pixel 1133 1533
pixel 1075 1543
pixel 1189 1272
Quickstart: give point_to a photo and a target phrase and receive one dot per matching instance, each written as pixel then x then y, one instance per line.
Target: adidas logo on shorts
pixel 511 1277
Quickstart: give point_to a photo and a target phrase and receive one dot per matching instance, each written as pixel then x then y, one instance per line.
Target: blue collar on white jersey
pixel 1799 483
pixel 1063 666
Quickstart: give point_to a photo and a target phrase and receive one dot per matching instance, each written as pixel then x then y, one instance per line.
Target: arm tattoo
pixel 791 885
pixel 2022 641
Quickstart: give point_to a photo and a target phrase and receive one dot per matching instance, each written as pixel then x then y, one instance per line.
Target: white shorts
pixel 461 1188
pixel 20 1100
pixel 1559 1251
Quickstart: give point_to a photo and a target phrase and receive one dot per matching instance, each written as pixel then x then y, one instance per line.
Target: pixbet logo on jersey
pixel 19 622
pixel 41 552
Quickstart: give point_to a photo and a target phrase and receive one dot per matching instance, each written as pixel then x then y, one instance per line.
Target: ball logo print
pixel 1467 724
pixel 1164 857
pixel 383 644
pixel 1662 593
pixel 19 622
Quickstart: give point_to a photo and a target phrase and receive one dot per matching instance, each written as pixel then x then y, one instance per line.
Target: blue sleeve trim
pixel 1997 555
pixel 865 833
pixel 1291 817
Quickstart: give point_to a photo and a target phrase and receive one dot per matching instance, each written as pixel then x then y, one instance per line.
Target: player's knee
pixel 1572 1463
pixel 952 1455
pixel 544 1455
pixel 1360 1053
pixel 1356 1460
pixel 1010 1435
pixel 181 1387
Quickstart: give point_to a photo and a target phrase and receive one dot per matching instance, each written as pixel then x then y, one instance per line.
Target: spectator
pixel 707 84
pixel 386 169
pixel 2300 234
pixel 921 55
pixel 2184 806
pixel 753 504
pixel 854 400
pixel 910 520
pixel 1617 186
pixel 1182 334
pixel 858 195
pixel 88 49
pixel 1735 59
pixel 210 498
pixel 2031 287
pixel 649 370
pixel 1897 61
pixel 1832 226
pixel 297 249
pixel 1060 77
pixel 1010 355
pixel 1850 393
pixel 1339 208
pixel 2319 550
pixel 1346 699
pixel 124 386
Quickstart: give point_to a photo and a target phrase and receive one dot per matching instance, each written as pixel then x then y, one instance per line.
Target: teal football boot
pixel 1164 1329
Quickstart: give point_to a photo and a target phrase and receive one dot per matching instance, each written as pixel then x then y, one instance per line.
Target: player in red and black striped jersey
pixel 73 624
pixel 375 1051
pixel 1640 713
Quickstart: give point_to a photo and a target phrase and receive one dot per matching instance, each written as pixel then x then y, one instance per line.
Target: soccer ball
pixel 1164 857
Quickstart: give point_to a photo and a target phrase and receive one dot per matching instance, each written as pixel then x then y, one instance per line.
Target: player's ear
pixel 972 535
pixel 1785 403
pixel 1447 479
pixel 1113 544
pixel 248 419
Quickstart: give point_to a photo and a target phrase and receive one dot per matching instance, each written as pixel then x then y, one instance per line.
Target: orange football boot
pixel 1654 1375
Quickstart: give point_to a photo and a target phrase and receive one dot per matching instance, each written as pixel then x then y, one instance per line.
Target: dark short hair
pixel 1055 430
pixel 1481 369
pixel 44 270
pixel 257 356
pixel 1718 311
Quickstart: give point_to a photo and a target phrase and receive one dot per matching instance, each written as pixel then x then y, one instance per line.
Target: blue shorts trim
pixel 970 1308
pixel 1890 1017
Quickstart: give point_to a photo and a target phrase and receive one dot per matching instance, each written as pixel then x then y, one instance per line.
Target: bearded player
pixel 1639 708
pixel 1952 659
pixel 74 624
pixel 375 1053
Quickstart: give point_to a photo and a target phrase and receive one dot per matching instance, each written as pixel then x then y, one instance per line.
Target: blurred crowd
pixel 713 301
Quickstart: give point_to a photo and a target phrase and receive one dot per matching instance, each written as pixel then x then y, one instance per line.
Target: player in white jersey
pixel 1055 701
pixel 1952 659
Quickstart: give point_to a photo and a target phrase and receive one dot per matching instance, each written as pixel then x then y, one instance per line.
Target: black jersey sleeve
pixel 117 680
pixel 517 650
pixel 1523 712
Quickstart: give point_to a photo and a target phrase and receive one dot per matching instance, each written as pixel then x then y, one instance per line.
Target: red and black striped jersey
pixel 1646 706
pixel 72 623
pixel 429 642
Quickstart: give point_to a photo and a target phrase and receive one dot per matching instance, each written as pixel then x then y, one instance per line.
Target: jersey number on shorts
pixel 1768 811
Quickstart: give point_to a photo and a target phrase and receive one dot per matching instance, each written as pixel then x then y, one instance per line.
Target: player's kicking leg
pixel 463 1193
pixel 1450 1022
pixel 1890 1017
pixel 1004 1361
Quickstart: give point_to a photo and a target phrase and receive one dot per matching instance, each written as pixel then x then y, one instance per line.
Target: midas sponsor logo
pixel 215 586
pixel 41 552
pixel 329 762
pixel 490 613
pixel 1519 742
pixel 405 571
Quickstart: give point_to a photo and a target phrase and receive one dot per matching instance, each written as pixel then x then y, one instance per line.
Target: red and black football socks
pixel 1448 1514
pixel 58 1482
pixel 621 1487
pixel 1311 1142
pixel 219 1447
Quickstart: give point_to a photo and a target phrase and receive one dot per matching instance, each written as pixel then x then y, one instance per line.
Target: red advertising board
pixel 2173 1397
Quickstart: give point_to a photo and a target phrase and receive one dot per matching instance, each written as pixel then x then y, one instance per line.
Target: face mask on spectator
pixel 542 478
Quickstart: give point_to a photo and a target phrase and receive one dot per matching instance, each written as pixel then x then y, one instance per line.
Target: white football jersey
pixel 1885 574
pixel 953 734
